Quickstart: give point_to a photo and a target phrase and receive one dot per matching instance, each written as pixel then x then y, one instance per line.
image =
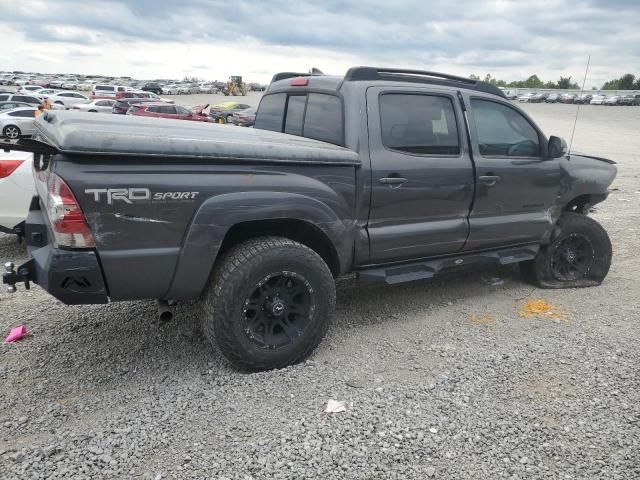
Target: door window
pixel 502 131
pixel 419 124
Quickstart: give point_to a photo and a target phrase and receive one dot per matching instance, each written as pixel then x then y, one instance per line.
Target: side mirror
pixel 557 147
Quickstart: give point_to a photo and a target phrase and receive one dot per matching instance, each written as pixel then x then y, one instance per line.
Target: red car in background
pixel 164 110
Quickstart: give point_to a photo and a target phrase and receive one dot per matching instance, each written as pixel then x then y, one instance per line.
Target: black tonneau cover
pixel 82 133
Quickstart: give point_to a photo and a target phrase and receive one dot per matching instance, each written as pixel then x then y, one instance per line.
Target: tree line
pixel 626 82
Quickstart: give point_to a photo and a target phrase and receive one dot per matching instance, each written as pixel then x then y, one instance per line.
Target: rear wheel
pixel 11 131
pixel 268 304
pixel 579 255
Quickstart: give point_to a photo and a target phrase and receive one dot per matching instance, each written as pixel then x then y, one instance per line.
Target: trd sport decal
pixel 137 195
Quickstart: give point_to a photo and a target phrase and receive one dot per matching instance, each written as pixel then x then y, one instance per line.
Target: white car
pixel 44 92
pixel 68 99
pixel 57 83
pixel 97 106
pixel 70 84
pixel 18 97
pixel 17 122
pixel 16 189
pixel 28 89
pixel 598 100
pixel 526 97
pixel 86 86
pixel 170 89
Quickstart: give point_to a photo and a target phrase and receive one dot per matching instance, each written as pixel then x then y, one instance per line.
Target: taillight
pixel 69 226
pixel 7 167
pixel 299 82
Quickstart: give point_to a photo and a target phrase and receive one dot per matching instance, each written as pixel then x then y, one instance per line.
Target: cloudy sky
pixel 213 39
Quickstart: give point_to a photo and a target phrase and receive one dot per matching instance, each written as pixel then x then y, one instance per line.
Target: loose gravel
pixel 441 379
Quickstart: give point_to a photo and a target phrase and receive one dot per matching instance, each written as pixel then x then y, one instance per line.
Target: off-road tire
pixel 539 271
pixel 232 281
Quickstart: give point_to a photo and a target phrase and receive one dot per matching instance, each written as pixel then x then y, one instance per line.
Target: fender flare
pixel 218 214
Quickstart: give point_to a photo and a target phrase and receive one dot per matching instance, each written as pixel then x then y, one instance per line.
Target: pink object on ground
pixel 16 334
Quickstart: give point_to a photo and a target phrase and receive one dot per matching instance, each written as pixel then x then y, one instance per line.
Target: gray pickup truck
pixel 393 174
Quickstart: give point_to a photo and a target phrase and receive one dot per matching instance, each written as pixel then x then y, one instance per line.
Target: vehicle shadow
pixel 96 347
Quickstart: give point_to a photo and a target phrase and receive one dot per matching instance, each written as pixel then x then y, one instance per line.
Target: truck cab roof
pixel 285 81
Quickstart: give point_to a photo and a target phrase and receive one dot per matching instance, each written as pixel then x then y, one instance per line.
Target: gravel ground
pixel 441 379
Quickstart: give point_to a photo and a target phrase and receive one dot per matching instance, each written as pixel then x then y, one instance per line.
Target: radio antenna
pixel 575 121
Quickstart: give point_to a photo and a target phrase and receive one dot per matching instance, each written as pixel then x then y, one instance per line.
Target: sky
pixel 213 39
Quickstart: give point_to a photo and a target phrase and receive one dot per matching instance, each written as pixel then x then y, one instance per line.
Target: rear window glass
pixel 271 112
pixel 108 88
pixel 316 115
pixel 295 114
pixel 323 119
pixel 3 97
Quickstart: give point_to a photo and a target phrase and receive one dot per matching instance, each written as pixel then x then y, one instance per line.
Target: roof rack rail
pixel 355 74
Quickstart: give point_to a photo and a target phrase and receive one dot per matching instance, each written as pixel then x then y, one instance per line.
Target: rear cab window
pixel 312 115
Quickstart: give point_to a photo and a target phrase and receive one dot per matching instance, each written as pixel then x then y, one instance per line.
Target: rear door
pixel 422 176
pixel 516 184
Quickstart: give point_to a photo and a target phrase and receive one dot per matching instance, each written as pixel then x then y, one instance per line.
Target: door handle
pixel 489 180
pixel 393 182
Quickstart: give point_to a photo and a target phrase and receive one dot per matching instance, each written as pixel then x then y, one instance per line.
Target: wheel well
pixel 582 203
pixel 297 230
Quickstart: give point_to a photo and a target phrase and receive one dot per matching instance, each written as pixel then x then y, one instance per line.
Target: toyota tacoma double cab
pixel 393 174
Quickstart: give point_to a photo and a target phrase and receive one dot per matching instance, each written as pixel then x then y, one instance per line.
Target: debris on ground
pixel 17 333
pixel 483 319
pixel 334 406
pixel 536 307
pixel 496 281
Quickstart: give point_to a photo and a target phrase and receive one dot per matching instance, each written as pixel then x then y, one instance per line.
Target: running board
pixel 409 272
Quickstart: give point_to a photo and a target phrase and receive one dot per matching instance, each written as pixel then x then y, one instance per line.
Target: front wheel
pixel 578 256
pixel 11 131
pixel 268 304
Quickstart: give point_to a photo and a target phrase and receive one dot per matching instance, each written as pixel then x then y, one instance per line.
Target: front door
pixel 516 184
pixel 422 176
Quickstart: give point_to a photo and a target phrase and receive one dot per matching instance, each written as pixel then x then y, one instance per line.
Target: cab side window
pixel 419 124
pixel 503 131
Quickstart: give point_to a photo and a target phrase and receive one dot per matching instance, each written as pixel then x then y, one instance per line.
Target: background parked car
pixel 68 99
pixel 124 104
pixel 597 100
pixel 552 98
pixel 223 112
pixel 16 189
pixel 12 105
pixel 244 118
pixel 108 91
pixel 584 98
pixel 568 98
pixel 103 105
pixel 152 87
pixel 28 88
pixel 612 100
pixel 630 99
pixel 18 122
pixel 538 98
pixel 164 110
pixel 17 97
pixel 525 97
pixel 171 89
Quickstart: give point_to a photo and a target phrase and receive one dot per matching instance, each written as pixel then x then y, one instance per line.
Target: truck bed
pixel 79 133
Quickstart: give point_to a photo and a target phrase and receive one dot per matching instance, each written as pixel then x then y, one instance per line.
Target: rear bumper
pixel 72 276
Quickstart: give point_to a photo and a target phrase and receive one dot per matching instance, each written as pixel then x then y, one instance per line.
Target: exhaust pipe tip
pixel 164 312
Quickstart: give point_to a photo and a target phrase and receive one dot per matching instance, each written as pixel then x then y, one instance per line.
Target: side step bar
pixel 409 272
